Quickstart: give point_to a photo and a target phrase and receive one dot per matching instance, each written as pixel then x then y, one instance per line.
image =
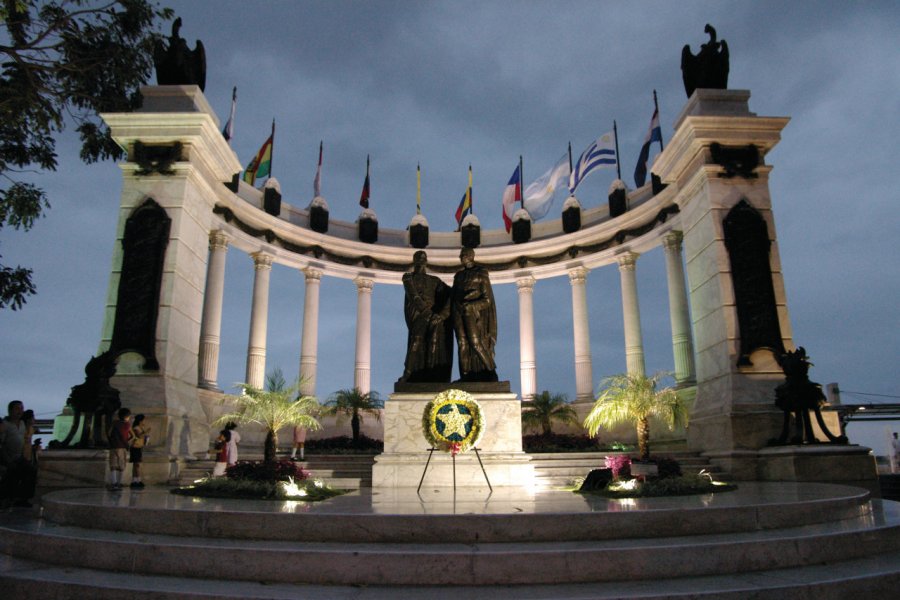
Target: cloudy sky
pixel 449 84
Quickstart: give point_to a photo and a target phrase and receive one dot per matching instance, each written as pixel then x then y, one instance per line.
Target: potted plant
pixel 634 398
pixel 354 403
pixel 277 406
pixel 546 408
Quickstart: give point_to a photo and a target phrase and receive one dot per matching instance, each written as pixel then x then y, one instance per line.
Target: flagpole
pixel 418 189
pixel 521 182
pixel 570 156
pixel 656 109
pixel 272 157
pixel 469 192
pixel 618 162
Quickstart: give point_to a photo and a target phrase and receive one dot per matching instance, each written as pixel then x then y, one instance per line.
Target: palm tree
pixel 546 408
pixel 277 406
pixel 633 398
pixel 353 403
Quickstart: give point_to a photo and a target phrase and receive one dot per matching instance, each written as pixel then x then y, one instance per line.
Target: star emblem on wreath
pixel 453 421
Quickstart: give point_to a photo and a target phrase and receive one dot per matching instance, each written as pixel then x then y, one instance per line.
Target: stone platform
pixel 405 455
pixel 765 540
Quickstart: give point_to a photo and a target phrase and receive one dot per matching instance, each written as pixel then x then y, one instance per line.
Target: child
pixel 221 447
pixel 140 434
pixel 119 435
pixel 299 442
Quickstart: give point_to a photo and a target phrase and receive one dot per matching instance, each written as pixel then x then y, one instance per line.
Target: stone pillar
pixel 310 337
pixel 527 364
pixel 581 335
pixel 631 314
pixel 363 371
pixel 682 345
pixel 211 325
pixel 259 319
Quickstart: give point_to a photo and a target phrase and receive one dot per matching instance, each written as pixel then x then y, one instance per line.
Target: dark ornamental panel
pixel 748 244
pixel 137 304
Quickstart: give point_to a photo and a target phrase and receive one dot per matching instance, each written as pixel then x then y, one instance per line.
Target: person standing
pixel 233 439
pixel 19 479
pixel 119 437
pixel 221 448
pixel 140 435
pixel 299 442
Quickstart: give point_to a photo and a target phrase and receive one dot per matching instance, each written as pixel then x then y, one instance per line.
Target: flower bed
pixel 259 480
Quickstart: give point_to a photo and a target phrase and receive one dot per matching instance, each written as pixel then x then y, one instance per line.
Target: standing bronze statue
pixel 474 320
pixel 429 346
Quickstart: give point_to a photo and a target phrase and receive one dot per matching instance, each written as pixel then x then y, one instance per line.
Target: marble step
pixel 874 577
pixel 452 564
pixel 402 515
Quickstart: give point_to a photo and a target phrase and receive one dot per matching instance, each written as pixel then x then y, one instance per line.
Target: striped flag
pixel 511 195
pixel 364 195
pixel 599 155
pixel 540 193
pixel 228 130
pixel 261 165
pixel 465 205
pixel 317 182
pixel 654 134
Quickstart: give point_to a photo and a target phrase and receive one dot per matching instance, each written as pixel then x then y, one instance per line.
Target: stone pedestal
pixel 406 449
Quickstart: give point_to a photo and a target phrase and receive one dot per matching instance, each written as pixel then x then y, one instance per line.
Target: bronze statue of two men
pixel 435 312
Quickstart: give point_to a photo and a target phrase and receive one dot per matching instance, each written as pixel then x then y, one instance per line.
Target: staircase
pixel 560 469
pixel 764 541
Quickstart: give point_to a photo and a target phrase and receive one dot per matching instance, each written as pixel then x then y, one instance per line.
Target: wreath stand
pixel 453 456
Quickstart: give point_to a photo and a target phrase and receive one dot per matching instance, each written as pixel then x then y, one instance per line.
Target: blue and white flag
pixel 599 155
pixel 654 134
pixel 538 196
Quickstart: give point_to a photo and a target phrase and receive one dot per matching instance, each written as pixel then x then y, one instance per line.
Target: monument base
pixel 825 463
pixel 80 468
pixel 406 450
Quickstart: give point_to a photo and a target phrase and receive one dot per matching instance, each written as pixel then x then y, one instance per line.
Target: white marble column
pixel 259 319
pixel 527 364
pixel 363 371
pixel 211 324
pixel 682 345
pixel 310 337
pixel 581 335
pixel 631 313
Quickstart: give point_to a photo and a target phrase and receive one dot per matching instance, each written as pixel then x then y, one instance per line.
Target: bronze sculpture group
pixel 435 312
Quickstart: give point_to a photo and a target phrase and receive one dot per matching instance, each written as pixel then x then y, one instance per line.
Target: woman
pixel 233 439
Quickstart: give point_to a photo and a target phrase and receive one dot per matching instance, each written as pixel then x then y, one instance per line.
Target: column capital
pixel 578 275
pixel 218 240
pixel 262 261
pixel 627 260
pixel 312 273
pixel 364 284
pixel 525 284
pixel 672 241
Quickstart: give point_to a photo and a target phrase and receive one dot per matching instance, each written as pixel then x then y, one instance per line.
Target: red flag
pixel 364 196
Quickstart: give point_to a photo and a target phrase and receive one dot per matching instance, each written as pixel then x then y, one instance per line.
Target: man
pixel 429 345
pixel 474 320
pixel 19 480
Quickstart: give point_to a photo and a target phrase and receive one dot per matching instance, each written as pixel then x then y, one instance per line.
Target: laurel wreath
pixel 434 425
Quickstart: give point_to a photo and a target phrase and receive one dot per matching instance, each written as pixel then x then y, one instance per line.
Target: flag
pixel 540 193
pixel 654 134
pixel 599 155
pixel 317 182
pixel 228 130
pixel 261 165
pixel 465 205
pixel 511 195
pixel 364 196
